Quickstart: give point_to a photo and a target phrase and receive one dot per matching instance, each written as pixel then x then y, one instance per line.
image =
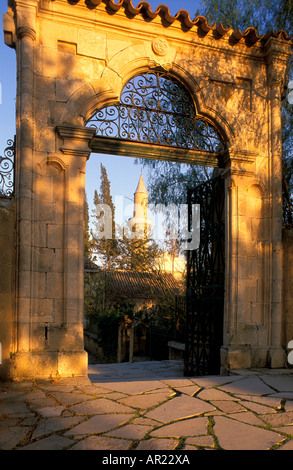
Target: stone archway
pixel 73 59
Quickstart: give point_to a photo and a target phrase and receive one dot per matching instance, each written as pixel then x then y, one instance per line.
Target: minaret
pixel 139 222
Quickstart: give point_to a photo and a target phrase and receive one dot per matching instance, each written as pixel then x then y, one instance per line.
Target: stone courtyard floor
pixel 149 406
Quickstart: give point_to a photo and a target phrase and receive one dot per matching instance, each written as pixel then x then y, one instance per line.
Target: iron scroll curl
pixel 7 170
pixel 155 108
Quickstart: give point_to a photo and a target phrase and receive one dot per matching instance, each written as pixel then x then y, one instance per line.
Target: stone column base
pixel 251 357
pixel 277 358
pixel 49 364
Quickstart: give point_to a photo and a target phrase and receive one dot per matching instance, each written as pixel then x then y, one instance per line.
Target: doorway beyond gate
pixel 157 111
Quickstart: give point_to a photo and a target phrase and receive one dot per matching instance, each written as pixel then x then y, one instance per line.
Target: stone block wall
pixel 287 286
pixel 7 283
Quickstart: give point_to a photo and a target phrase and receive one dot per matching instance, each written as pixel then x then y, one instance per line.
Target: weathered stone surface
pixel 251 386
pixel 158 444
pixel 51 425
pixel 283 384
pixel 178 408
pixel 201 441
pixel 98 424
pixel 50 443
pixel 100 406
pixel 10 437
pixel 247 417
pixel 146 400
pixel 131 431
pixel 240 436
pixel 212 393
pixel 228 406
pixel 50 411
pixel 287 446
pixel 167 425
pixel 101 443
pixel 279 419
pixel 12 408
pixel 70 398
pixel 133 387
pixel 187 427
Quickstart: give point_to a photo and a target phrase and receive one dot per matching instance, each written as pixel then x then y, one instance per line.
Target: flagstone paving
pixel 149 406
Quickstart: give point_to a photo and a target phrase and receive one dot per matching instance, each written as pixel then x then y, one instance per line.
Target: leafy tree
pixel 235 13
pixel 137 254
pixel 168 181
pixel 124 251
pixel 103 242
pixel 87 243
pixel 265 16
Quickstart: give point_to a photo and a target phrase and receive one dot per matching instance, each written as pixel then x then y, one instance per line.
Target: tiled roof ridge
pixel 250 35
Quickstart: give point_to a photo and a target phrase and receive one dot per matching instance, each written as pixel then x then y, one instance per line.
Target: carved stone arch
pixel 97 94
pixel 257 187
pixel 53 161
pixel 202 114
pixel 190 81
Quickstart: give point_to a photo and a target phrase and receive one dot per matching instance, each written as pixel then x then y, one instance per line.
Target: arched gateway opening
pixel 156 111
pixel 105 62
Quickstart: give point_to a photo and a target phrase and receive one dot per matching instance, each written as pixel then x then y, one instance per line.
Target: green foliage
pixel 106 247
pixel 265 16
pixel 87 244
pixel 95 302
pixel 237 13
pixel 136 254
pixel 107 325
pixel 168 181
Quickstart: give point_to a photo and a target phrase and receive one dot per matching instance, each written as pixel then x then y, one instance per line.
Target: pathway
pixel 149 406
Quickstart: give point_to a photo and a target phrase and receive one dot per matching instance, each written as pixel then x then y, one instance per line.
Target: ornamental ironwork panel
pixel 155 108
pixel 7 170
pixel 205 283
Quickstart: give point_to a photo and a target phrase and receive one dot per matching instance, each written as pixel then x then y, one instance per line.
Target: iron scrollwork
pixel 156 109
pixel 7 170
pixel 205 282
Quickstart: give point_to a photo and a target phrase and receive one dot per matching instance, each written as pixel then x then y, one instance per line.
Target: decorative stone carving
pixel 160 46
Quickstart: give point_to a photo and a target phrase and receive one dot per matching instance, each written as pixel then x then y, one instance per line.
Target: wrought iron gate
pixel 205 282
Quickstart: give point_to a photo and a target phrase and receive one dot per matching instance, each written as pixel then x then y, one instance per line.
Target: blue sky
pixel 122 172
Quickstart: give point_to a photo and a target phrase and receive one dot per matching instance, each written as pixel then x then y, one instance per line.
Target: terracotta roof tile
pixel 134 284
pixel 250 35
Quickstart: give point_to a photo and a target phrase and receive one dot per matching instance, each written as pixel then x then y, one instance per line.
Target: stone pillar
pixel 277 55
pixel 245 343
pixel 76 151
pixel 55 312
pixel 25 51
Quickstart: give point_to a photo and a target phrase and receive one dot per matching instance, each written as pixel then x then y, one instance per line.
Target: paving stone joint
pixel 149 406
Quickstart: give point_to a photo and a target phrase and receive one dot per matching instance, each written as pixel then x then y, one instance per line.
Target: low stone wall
pixel 7 283
pixel 287 286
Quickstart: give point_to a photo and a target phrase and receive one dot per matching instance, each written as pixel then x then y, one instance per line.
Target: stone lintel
pixel 239 163
pixel 157 152
pixel 76 140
